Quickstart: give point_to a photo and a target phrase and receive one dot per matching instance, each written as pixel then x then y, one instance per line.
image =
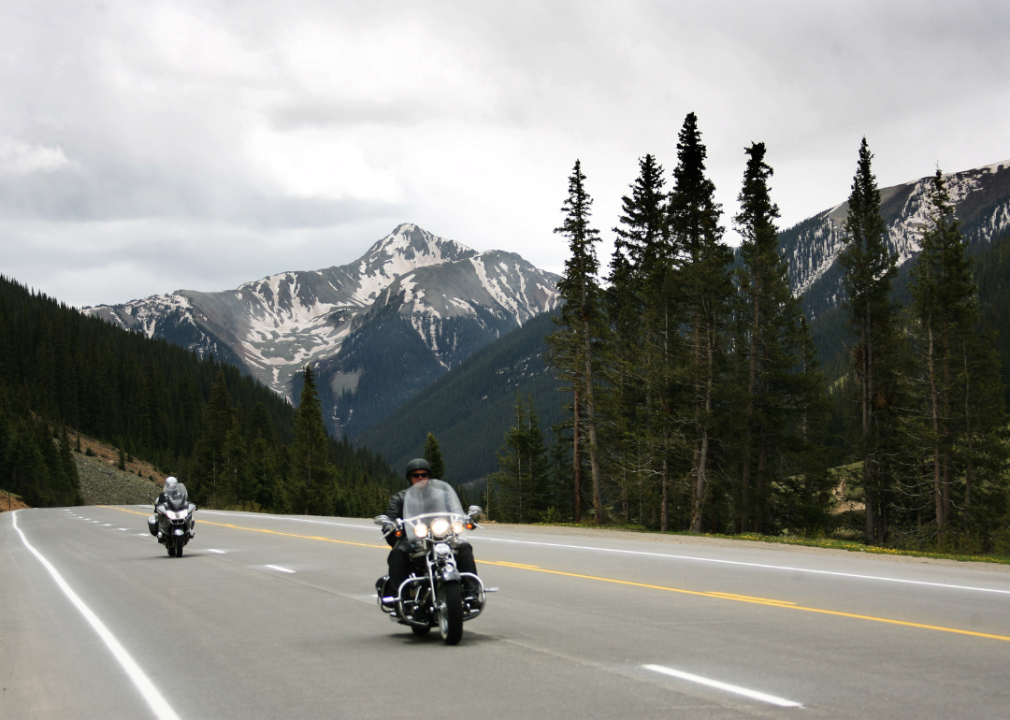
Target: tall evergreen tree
pixel 704 288
pixel 782 387
pixel 575 346
pixel 956 365
pixel 207 482
pixel 312 474
pixel 433 454
pixel 522 478
pixel 643 312
pixel 870 267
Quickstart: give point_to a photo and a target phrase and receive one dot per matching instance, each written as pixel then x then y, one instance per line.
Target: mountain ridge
pixel 981 197
pixel 449 297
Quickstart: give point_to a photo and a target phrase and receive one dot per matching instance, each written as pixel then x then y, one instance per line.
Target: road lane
pixel 224 634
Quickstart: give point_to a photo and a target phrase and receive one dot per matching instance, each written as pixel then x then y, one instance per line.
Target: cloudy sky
pixel 150 146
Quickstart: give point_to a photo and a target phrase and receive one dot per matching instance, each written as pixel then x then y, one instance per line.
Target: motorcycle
pixel 436 593
pixel 173 522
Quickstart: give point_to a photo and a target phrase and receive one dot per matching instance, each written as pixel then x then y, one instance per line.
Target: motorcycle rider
pixel 418 471
pixel 171 483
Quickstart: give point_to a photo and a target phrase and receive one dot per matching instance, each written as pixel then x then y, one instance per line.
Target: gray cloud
pixel 201 144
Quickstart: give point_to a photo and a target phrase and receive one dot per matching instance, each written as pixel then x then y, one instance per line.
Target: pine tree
pixel 704 287
pixel 433 454
pixel 312 474
pixel 779 372
pixel 958 369
pixel 575 346
pixel 870 267
pixel 521 480
pixel 209 460
pixel 643 310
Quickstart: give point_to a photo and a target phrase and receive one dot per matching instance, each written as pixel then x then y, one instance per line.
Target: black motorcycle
pixel 173 522
pixel 436 593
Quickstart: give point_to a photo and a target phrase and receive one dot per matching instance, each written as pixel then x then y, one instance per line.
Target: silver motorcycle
pixel 173 522
pixel 436 593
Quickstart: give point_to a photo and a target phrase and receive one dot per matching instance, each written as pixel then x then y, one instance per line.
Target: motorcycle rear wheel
pixel 450 614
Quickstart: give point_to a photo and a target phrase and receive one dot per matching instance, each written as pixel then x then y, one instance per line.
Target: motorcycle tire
pixel 178 548
pixel 450 614
pixel 420 631
pixel 171 548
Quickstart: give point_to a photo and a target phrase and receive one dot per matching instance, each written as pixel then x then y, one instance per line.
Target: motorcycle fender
pixel 450 574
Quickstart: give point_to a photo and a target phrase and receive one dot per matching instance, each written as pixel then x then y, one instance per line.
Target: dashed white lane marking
pixel 122 529
pixel 107 525
pixel 278 568
pixel 157 703
pixel 665 556
pixel 217 552
pixel 143 534
pixel 735 689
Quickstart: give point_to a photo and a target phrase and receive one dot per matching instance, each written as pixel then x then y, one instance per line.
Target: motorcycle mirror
pixel 381 520
pixel 474 511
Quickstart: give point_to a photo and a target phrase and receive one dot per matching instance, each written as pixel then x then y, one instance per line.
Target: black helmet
pixel 418 464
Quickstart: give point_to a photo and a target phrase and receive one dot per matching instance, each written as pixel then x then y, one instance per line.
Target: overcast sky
pixel 147 147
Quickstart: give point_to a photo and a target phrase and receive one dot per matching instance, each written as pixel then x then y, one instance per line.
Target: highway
pixel 274 617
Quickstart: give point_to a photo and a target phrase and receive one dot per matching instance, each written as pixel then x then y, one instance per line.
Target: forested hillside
pixel 233 441
pixel 991 265
pixel 470 408
pixel 695 397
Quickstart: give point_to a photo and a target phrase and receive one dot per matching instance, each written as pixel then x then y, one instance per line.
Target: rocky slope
pixel 377 330
pixel 982 204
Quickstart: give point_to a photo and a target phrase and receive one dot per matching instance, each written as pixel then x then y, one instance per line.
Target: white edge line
pixel 154 699
pixel 753 565
pixel 736 689
pixel 279 568
pixel 667 556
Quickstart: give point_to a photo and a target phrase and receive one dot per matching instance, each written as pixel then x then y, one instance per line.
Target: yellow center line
pixel 762 601
pixel 268 532
pixel 769 602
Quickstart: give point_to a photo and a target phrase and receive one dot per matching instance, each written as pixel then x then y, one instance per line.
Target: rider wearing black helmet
pixel 418 470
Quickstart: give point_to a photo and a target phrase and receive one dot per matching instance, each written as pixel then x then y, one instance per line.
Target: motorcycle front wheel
pixel 178 547
pixel 450 613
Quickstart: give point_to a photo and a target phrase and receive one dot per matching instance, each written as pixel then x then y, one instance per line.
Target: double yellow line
pixel 785 604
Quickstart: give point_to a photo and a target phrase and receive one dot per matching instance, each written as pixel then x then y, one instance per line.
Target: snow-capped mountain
pixel 376 330
pixel 982 204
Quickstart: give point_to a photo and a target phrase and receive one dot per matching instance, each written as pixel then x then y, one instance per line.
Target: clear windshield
pixel 426 501
pixel 176 498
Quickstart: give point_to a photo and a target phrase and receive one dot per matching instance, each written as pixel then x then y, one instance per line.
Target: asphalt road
pixel 275 617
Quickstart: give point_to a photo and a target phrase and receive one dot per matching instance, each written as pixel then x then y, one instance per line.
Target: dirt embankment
pixel 103 483
pixel 9 502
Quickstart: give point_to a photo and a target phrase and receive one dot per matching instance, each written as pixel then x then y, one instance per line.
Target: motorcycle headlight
pixel 420 530
pixel 458 527
pixel 440 528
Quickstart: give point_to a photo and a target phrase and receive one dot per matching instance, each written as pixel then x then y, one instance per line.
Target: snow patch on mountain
pixel 277 324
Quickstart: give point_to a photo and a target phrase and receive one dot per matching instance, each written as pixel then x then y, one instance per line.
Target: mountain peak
pixel 409 247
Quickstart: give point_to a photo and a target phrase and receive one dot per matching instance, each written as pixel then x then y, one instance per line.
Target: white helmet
pixel 171 483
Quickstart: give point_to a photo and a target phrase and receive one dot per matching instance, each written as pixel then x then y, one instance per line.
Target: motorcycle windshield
pixel 176 499
pixel 428 501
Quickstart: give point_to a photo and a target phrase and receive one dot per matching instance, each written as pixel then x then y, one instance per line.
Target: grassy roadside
pixel 828 543
pixel 853 546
